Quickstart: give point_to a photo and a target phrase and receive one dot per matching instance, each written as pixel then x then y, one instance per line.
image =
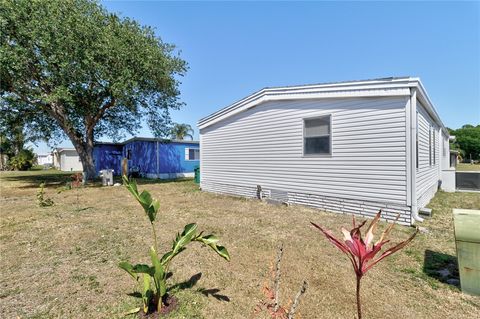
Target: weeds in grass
pixel 361 251
pixel 41 199
pixel 154 277
pixel 272 296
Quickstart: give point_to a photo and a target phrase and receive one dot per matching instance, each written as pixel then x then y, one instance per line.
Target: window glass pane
pixel 317 145
pixel 317 127
pixel 193 154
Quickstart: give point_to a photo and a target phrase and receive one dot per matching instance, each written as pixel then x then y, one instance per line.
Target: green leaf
pixel 187 235
pixel 181 240
pixel 132 311
pixel 222 251
pixel 143 269
pixel 211 241
pixel 146 292
pixel 159 275
pixel 128 268
pixel 150 206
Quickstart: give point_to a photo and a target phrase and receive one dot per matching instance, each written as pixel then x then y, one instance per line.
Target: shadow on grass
pixel 32 179
pixel 442 267
pixel 54 179
pixel 186 284
pixel 190 283
pixel 214 292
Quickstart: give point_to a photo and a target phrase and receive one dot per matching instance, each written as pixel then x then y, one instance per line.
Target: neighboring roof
pixel 148 139
pixel 393 86
pixel 163 140
pixel 64 149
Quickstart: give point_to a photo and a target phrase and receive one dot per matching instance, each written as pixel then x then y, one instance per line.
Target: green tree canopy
pixel 467 139
pixel 70 68
pixel 181 131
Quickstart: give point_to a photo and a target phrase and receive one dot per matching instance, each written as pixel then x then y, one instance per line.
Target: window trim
pixel 192 148
pixel 430 162
pixel 329 154
pixel 416 143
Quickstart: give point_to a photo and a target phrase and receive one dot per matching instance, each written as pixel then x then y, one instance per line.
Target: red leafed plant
pixel 76 180
pixel 362 251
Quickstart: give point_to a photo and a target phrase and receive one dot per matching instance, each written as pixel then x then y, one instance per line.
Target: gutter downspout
pixel 413 154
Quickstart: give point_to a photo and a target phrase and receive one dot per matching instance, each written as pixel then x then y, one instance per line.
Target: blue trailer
pixel 150 157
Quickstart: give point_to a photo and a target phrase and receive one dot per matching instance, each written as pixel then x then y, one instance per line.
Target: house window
pixel 434 149
pixel 317 136
pixel 416 137
pixel 430 146
pixel 192 154
pixel 129 154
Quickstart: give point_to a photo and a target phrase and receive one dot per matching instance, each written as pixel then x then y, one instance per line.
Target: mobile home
pixel 350 147
pixel 150 157
pixel 67 160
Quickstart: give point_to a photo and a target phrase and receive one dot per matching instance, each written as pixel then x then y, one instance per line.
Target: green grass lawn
pixel 61 261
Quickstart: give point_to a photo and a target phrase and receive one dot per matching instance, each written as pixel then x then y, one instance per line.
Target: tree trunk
pixel 85 152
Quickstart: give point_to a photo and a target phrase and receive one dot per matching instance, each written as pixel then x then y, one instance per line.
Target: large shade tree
pixel 70 68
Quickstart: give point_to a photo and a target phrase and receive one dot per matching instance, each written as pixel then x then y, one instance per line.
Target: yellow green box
pixel 467 240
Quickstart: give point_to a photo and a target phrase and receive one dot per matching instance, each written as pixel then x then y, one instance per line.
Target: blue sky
pixel 236 48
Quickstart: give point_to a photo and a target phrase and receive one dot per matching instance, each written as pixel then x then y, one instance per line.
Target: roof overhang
pixel 161 140
pixel 398 86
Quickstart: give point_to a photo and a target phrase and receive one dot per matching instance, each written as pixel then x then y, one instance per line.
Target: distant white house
pixel 67 159
pixel 45 159
pixel 351 147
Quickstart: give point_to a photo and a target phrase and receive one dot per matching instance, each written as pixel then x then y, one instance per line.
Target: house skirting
pixel 171 175
pixel 326 203
pixel 427 195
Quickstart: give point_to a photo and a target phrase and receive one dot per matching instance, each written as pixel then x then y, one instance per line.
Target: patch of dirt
pixel 170 303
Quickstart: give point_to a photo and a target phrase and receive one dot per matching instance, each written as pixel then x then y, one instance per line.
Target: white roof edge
pixel 339 89
pixel 61 149
pixel 430 107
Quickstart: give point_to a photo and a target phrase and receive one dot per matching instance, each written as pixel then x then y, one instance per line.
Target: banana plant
pixel 154 276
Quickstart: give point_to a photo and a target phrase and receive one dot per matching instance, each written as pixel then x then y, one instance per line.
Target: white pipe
pixel 413 153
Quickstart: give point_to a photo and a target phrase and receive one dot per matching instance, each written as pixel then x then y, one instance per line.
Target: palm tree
pixel 181 131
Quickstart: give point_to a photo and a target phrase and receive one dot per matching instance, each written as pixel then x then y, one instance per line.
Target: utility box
pixel 197 175
pixel 107 177
pixel 467 240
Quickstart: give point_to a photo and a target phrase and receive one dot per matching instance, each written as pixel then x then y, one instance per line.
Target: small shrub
pixel 272 304
pixel 77 179
pixel 41 199
pixel 23 161
pixel 154 277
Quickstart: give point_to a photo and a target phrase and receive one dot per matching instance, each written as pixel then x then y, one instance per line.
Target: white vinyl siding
pixel 70 161
pixel 264 146
pixel 428 171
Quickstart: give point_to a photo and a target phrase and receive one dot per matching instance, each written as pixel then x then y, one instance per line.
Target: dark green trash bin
pixel 197 175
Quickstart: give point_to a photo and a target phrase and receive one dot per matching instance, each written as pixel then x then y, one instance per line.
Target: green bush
pixel 23 161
